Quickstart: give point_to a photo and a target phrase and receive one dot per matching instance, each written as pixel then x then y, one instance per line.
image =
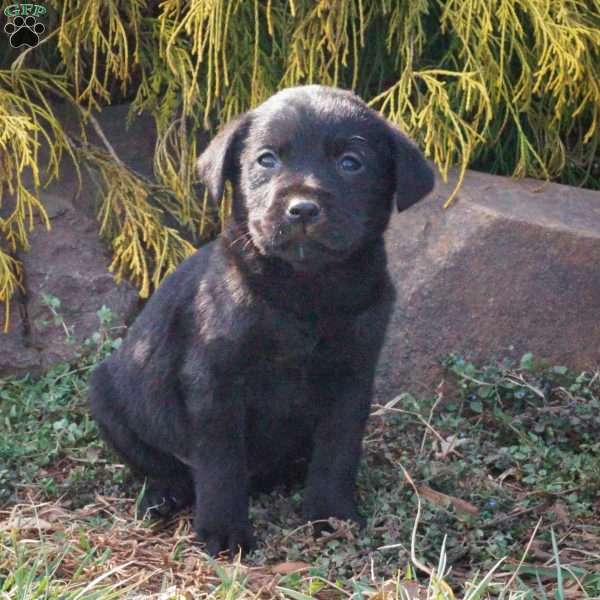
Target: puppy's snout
pixel 303 211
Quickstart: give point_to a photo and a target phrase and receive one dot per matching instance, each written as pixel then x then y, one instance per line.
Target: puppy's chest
pixel 280 359
pixel 286 339
pixel 291 342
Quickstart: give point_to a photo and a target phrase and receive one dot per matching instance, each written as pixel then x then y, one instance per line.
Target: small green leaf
pixel 476 406
pixel 527 361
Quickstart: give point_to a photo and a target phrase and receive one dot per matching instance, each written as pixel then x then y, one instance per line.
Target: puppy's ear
pixel 218 162
pixel 414 176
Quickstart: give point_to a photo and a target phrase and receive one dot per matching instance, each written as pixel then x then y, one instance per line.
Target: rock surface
pixel 511 267
pixel 70 263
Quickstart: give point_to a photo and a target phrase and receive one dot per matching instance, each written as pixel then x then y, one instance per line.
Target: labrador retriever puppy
pixel 257 355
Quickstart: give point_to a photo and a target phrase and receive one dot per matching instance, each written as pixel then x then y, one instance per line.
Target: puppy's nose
pixel 303 211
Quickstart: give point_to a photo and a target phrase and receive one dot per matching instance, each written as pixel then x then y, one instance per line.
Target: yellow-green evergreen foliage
pixel 508 86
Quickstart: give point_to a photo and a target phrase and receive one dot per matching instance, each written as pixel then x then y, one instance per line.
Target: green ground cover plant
pixel 505 86
pixel 493 480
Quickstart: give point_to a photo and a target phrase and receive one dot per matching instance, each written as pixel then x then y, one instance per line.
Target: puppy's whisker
pixel 240 238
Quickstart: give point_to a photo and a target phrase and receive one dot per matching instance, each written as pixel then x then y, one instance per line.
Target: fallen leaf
pixel 408 590
pixel 286 568
pixel 450 444
pixel 92 455
pixel 55 513
pixel 561 511
pixel 446 501
pixel 25 523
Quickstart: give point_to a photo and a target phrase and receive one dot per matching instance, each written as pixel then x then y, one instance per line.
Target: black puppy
pixel 258 353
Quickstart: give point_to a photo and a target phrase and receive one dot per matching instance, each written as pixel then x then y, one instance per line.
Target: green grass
pixel 495 479
pixel 49 442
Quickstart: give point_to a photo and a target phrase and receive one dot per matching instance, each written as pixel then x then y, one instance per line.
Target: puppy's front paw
pixel 230 539
pixel 319 513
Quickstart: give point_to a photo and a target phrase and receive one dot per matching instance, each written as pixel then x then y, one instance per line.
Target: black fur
pixel 257 355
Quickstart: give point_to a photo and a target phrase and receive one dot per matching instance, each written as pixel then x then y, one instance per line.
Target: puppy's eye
pixel 267 160
pixel 350 163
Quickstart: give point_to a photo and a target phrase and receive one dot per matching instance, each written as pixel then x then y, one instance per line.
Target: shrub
pixel 507 86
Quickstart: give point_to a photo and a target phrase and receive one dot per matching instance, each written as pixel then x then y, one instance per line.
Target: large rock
pixel 16 355
pixel 70 263
pixel 510 267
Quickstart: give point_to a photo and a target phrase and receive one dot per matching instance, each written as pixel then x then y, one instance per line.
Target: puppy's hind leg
pixel 169 486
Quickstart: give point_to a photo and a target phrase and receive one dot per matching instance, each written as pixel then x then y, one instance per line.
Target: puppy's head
pixel 315 173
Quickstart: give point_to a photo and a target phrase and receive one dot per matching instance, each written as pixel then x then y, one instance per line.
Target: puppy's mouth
pixel 302 250
pixel 305 247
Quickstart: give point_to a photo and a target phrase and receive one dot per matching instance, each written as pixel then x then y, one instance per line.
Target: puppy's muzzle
pixel 302 211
